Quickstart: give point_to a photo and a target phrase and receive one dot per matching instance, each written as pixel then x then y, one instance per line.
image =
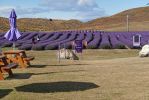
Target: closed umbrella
pixel 13 34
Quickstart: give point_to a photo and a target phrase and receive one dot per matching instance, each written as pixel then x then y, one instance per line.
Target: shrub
pixel 51 47
pixel 134 47
pixel 68 45
pixel 120 46
pixel 95 42
pixel 105 46
pixel 18 44
pixel 38 47
pixel 91 47
pixel 7 44
pixel 105 42
pixel 25 47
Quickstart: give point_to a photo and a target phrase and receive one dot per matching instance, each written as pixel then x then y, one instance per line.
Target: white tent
pixel 145 51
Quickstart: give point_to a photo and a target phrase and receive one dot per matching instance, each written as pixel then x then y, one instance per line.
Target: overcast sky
pixel 67 9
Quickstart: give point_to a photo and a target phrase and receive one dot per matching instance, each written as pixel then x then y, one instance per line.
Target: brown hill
pixel 46 24
pixel 39 24
pixel 138 21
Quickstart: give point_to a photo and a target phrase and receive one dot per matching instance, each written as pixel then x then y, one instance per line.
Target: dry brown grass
pixel 138 18
pixel 99 75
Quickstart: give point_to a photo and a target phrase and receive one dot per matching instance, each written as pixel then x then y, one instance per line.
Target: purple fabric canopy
pixel 13 34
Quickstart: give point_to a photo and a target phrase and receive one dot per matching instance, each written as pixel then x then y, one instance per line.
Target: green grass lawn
pixel 98 75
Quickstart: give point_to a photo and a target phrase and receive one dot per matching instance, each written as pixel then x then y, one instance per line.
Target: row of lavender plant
pixel 95 39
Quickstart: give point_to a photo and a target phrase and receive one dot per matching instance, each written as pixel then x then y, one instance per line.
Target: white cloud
pixel 90 3
pixel 5 11
pixel 60 5
pixel 80 9
pixel 84 9
pixel 69 5
pixel 27 11
pixel 86 16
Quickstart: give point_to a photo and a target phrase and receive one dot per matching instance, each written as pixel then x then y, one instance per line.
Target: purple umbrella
pixel 13 34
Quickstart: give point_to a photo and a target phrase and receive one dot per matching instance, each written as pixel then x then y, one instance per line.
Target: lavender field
pixel 95 40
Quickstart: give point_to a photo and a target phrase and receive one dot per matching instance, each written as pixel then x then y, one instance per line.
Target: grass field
pixel 98 75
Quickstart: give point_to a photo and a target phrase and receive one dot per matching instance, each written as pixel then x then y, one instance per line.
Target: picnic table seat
pixel 28 59
pixel 6 67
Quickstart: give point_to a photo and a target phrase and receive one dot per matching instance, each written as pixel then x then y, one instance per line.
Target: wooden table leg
pixel 1 76
pixel 9 71
pixel 21 62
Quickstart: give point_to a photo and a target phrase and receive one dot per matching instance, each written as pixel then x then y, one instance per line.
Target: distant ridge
pixel 39 24
pixel 138 21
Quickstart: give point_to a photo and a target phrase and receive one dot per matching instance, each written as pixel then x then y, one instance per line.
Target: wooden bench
pixel 6 67
pixel 18 56
pixel 26 59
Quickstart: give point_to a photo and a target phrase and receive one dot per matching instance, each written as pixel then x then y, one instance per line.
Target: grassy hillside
pixel 39 24
pixel 138 18
pixel 46 24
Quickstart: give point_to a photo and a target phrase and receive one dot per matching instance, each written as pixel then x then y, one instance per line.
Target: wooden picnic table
pixel 5 67
pixel 18 56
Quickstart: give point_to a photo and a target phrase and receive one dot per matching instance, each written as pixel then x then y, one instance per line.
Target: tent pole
pixel 13 45
pixel 59 53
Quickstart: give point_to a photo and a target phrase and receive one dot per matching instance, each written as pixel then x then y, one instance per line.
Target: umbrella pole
pixel 13 45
